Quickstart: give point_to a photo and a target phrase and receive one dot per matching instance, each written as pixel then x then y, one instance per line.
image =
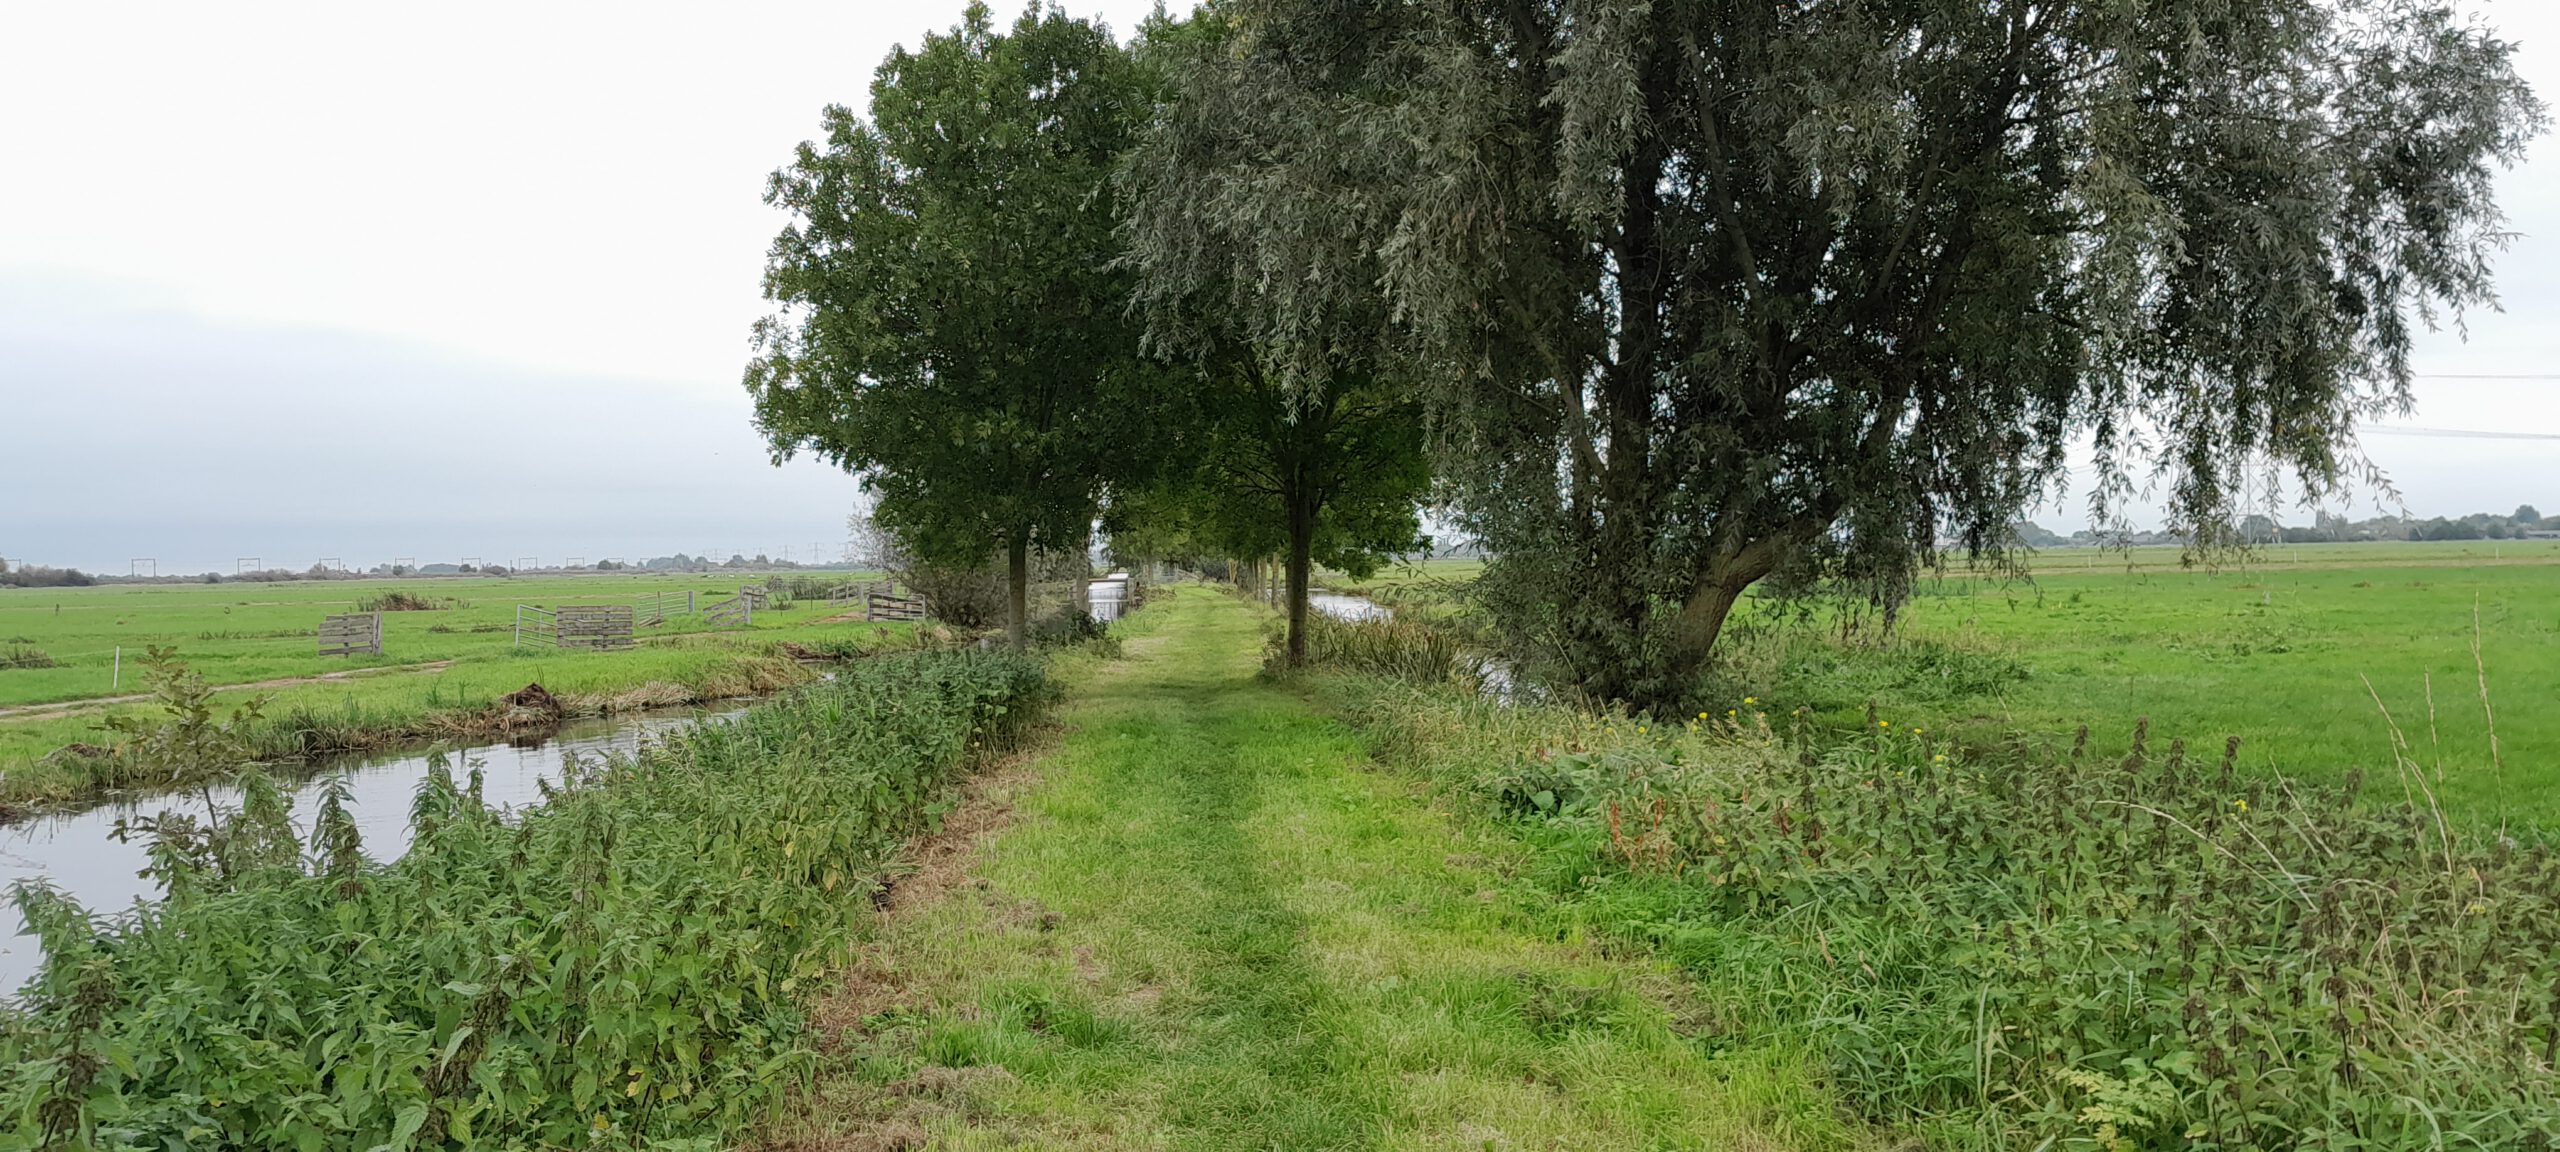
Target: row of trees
pixel 1678 298
pixel 970 326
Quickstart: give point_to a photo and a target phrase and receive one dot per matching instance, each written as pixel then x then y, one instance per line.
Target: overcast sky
pixel 295 281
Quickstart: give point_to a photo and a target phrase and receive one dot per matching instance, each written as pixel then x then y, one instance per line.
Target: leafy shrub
pixel 26 656
pixel 2144 952
pixel 622 966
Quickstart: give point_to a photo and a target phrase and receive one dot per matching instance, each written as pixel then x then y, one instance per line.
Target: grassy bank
pixel 2312 654
pixel 1206 921
pixel 446 663
pixel 624 967
pixel 460 701
pixel 2135 948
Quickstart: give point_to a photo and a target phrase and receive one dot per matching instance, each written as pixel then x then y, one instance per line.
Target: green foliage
pixel 2110 952
pixel 187 743
pixel 624 965
pixel 1303 442
pixel 1713 292
pixel 954 326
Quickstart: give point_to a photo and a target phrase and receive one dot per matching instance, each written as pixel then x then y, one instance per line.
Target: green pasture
pixel 237 633
pixel 2277 648
pixel 457 658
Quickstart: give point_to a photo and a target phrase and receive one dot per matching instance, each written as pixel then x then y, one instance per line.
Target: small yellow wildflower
pixel 1748 700
pixel 1940 758
pixel 2242 805
pixel 1702 715
pixel 1884 723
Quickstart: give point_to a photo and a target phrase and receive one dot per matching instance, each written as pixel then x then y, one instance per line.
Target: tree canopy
pixel 954 328
pixel 1710 292
pixel 1305 441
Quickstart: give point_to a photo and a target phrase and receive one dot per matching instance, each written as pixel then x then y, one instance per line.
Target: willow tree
pixel 1725 289
pixel 953 328
pixel 1304 438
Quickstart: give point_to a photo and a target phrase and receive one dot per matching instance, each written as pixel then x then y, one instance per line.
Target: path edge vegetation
pixel 2126 946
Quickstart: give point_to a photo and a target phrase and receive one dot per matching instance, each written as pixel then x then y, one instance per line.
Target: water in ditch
pixel 77 852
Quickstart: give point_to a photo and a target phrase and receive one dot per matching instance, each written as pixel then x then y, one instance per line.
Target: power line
pixel 2460 433
pixel 2486 375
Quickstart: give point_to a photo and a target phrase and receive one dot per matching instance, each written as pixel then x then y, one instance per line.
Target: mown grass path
pixel 1204 920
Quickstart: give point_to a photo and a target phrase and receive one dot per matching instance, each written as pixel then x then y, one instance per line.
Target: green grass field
pixel 2277 650
pixel 463 657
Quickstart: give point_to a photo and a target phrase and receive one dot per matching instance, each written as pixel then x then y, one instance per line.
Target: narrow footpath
pixel 1202 919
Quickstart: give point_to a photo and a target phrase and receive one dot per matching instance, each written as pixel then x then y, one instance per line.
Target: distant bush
pixel 39 576
pixel 25 656
pixel 402 600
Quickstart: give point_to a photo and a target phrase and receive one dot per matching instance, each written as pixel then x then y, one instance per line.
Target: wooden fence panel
pixel 882 606
pixel 595 625
pixel 352 633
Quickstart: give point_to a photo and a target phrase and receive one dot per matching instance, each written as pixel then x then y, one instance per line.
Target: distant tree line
pixel 2526 522
pixel 39 576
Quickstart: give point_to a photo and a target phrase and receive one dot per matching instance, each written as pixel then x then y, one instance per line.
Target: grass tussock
pixel 626 966
pixel 2125 950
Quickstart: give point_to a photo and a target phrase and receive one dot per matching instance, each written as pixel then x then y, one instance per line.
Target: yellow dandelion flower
pixel 1750 700
pixel 2242 805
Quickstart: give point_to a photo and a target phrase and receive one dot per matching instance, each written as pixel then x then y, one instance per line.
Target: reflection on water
pixel 76 852
pixel 1108 596
pixel 1342 607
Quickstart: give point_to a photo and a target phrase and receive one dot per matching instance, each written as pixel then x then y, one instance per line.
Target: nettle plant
pixel 623 966
pixel 2111 952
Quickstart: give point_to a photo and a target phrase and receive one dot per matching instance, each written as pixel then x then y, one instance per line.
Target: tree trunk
pixel 1693 637
pixel 1017 608
pixel 1702 617
pixel 1302 544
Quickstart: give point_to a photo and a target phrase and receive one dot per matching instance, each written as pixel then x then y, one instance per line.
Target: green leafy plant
pixel 623 966
pixel 2137 950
